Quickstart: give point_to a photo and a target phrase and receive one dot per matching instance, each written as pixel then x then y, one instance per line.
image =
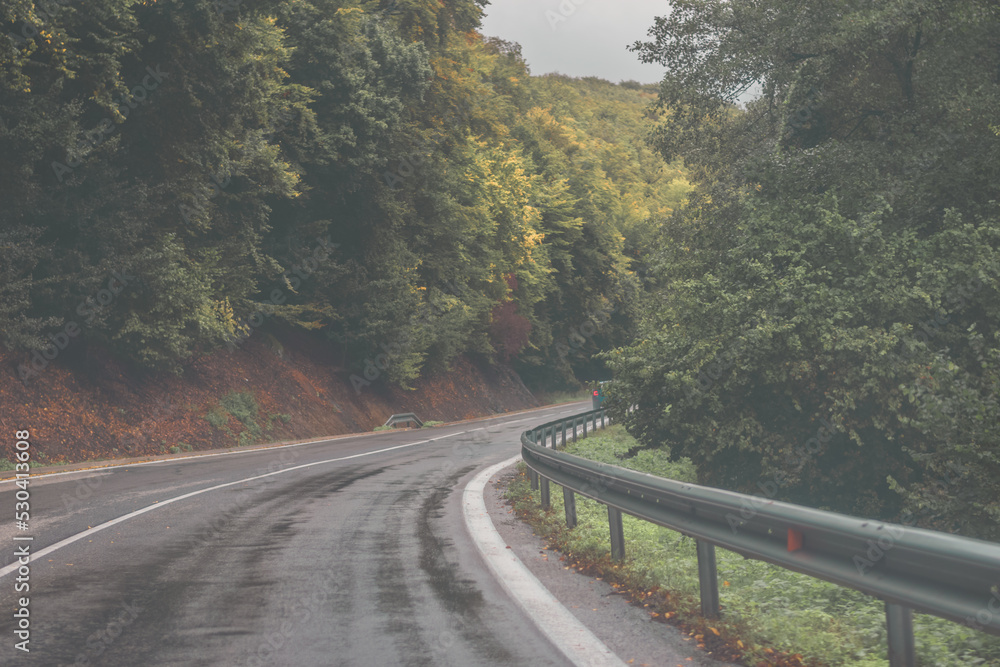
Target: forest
pixel 180 175
pixel 826 327
pixel 787 252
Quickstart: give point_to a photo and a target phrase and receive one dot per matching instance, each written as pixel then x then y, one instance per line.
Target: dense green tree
pixel 826 330
pixel 178 175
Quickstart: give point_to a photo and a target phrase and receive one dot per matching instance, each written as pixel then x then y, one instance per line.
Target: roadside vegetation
pixel 828 311
pixel 377 174
pixel 250 424
pixel 771 616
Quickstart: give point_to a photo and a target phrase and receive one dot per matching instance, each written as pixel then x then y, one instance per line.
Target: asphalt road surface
pixel 349 551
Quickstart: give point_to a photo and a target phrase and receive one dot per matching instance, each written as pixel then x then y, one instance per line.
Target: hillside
pixel 311 184
pixel 382 175
pixel 286 386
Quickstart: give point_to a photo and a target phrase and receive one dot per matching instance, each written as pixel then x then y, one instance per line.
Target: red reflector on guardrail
pixel 794 539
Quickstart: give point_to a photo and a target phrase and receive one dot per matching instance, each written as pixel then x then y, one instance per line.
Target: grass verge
pixel 241 406
pixel 771 616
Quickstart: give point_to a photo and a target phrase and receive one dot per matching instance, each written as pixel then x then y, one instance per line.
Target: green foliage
pixel 765 605
pixel 243 407
pixel 827 311
pixel 216 417
pixel 377 172
pixel 615 446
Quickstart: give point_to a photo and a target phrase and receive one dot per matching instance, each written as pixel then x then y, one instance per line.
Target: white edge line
pixel 266 448
pixel 556 622
pixel 163 503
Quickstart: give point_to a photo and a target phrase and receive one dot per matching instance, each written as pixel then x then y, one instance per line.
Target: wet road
pixel 345 552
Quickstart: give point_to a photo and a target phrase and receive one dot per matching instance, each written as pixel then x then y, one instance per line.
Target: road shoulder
pixel 625 629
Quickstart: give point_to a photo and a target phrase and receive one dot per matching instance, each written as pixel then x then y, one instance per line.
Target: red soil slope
pixel 86 405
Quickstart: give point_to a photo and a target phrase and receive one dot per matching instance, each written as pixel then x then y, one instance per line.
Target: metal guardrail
pixel 405 418
pixel 910 569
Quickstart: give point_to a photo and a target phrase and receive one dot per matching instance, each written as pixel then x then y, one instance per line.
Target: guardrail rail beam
pixel 919 570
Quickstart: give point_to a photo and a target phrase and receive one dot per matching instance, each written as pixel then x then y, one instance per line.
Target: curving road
pixel 349 551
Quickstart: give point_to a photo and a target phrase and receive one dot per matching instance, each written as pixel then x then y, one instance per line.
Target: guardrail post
pixel 564 433
pixel 899 626
pixel 569 502
pixel 546 498
pixel 617 533
pixel 533 476
pixel 585 427
pixel 708 579
pixel 602 419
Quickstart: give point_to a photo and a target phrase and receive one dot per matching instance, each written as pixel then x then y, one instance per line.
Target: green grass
pixel 36 461
pixel 431 423
pixel 764 605
pixel 243 407
pixel 217 417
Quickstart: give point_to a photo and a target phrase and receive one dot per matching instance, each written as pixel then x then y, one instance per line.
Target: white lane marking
pixel 163 503
pixel 44 475
pixel 563 629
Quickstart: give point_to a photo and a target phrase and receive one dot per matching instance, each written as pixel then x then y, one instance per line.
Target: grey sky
pixel 578 37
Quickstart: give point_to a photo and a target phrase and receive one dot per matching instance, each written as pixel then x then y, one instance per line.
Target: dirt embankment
pixel 86 405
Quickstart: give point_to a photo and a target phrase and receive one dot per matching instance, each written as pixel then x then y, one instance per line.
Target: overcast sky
pixel 578 37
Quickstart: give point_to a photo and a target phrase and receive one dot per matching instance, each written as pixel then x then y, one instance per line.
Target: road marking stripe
pixel 41 474
pixel 163 503
pixel 556 622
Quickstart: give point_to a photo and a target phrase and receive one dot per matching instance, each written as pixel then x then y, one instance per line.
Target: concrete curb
pixel 557 623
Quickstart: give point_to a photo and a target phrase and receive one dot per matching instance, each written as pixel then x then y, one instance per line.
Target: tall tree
pixel 827 332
